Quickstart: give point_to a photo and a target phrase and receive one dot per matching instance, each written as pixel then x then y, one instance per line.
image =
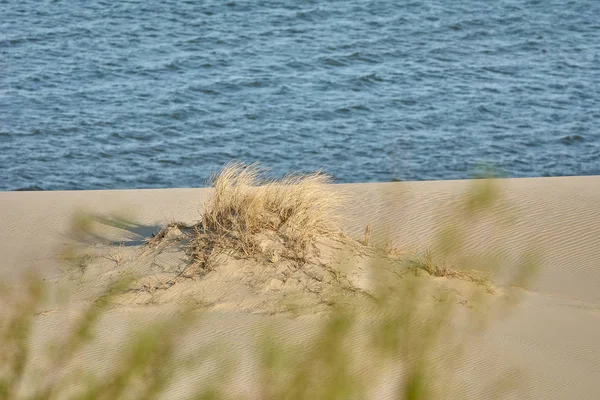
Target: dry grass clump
pixel 256 216
pixel 426 263
pixel 297 209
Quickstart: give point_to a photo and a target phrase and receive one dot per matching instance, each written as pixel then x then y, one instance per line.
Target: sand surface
pixel 552 338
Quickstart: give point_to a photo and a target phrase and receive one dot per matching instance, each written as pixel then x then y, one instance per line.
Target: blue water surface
pixel 141 94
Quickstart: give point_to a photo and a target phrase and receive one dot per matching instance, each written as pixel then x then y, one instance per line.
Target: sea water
pixel 141 94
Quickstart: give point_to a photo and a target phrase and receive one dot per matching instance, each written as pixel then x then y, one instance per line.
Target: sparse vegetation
pixel 298 209
pixel 426 263
pixel 273 220
pixel 116 255
pixel 367 235
pixel 278 224
pixel 256 217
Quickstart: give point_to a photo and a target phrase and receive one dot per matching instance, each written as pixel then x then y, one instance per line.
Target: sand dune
pixel 552 338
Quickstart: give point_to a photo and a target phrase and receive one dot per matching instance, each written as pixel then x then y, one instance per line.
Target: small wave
pixel 168 161
pixel 283 90
pixel 204 90
pixel 343 110
pixel 406 102
pixel 29 188
pixel 176 115
pixel 173 66
pixel 311 15
pixel 371 78
pixel 255 83
pixel 508 71
pixel 333 62
pixel 483 109
pixel 572 139
pixel 359 107
pixel 368 58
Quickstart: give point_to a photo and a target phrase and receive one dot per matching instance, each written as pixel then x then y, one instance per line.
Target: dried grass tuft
pixel 247 209
pixel 252 216
pixel 426 263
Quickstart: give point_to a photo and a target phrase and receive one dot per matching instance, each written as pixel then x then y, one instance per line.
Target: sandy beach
pixel 551 339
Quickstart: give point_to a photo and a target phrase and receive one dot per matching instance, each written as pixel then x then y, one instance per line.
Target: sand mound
pixel 264 246
pixel 333 273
